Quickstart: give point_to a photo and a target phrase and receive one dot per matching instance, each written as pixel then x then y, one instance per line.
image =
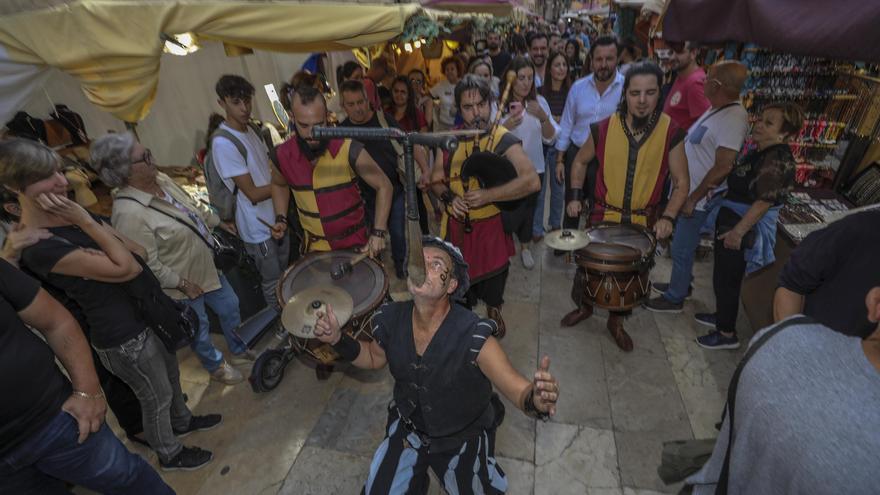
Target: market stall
pixel 825 63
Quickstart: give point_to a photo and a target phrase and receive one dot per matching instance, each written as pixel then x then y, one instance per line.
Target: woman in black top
pixel 759 182
pixel 92 263
pixel 573 53
pixel 555 91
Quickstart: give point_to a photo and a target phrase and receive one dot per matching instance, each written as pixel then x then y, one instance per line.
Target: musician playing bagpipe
pixel 472 182
pixel 323 176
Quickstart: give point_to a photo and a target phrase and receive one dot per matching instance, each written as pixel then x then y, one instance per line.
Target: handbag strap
pixel 724 479
pixel 190 227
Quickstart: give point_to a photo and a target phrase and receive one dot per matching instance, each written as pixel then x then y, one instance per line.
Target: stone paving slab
pixel 573 459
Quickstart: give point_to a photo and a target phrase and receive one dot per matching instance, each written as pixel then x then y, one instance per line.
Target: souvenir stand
pixel 826 67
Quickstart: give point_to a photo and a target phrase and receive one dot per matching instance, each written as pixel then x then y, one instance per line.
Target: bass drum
pixel 618 262
pixel 366 284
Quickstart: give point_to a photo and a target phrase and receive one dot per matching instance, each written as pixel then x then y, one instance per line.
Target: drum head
pixel 628 238
pixel 366 283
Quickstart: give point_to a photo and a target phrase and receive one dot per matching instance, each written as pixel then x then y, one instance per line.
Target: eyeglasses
pixel 417 82
pixel 147 158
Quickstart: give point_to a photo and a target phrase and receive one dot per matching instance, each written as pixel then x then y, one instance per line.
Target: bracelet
pixel 529 407
pixel 574 195
pixel 667 217
pixel 446 196
pixel 83 395
pixel 347 347
pixel 280 219
pixel 378 233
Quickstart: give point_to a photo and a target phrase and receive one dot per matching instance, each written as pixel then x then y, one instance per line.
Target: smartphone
pixel 515 108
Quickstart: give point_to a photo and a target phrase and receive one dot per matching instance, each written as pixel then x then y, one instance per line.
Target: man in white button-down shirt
pixel 591 99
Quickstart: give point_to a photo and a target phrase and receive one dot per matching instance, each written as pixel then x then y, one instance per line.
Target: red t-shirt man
pixel 686 101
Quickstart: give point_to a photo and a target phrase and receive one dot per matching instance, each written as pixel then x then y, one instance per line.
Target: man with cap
pixel 445 363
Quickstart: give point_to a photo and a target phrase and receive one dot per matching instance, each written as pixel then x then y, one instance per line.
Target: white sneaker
pixel 227 375
pixel 527 259
pixel 246 357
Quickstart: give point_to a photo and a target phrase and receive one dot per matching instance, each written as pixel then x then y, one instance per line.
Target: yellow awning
pixel 113 47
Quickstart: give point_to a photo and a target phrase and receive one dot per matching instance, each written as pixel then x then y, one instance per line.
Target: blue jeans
pixel 101 463
pixel 224 303
pixel 557 196
pixel 397 228
pixel 685 240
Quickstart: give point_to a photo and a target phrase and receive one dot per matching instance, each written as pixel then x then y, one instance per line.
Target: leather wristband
pixel 574 195
pixel 667 217
pixel 347 347
pixel 280 219
pixel 379 233
pixel 446 197
pixel 530 409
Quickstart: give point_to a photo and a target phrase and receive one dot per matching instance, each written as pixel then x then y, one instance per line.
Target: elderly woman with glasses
pixel 176 233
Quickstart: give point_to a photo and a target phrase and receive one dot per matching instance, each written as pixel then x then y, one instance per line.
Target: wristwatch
pixel 379 233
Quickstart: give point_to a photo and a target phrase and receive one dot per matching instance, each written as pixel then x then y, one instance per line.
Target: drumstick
pixel 341 269
pixel 271 229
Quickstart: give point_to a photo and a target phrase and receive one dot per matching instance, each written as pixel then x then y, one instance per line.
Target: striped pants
pixel 400 465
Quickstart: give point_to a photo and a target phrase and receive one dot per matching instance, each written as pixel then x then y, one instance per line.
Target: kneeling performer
pixel 445 362
pixel 637 148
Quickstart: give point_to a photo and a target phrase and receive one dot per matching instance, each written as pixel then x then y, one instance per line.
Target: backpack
pixel 221 198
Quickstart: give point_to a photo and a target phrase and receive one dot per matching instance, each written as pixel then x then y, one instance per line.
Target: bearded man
pixel 590 100
pixel 323 176
pixel 636 149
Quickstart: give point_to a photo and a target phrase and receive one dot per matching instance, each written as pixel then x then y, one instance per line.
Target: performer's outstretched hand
pixel 574 208
pixel 327 328
pixel 546 388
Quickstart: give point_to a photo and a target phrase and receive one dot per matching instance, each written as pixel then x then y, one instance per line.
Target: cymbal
pixel 566 239
pixel 300 314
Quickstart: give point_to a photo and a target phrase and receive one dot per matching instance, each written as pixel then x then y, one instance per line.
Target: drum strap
pixel 646 212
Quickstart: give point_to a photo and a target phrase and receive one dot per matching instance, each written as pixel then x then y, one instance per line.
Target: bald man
pixel 711 146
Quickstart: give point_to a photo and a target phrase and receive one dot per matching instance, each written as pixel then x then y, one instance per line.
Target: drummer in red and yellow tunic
pixel 637 148
pixel 486 248
pixel 323 176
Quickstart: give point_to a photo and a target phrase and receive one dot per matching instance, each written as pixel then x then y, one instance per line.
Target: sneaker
pixel 660 304
pixel 246 357
pixel 226 374
pixel 527 259
pixel 717 340
pixel 662 288
pixel 200 423
pixel 188 459
pixel 706 319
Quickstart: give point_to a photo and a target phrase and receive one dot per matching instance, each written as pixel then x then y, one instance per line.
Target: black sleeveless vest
pixel 447 387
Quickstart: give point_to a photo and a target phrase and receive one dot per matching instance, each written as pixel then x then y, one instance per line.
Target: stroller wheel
pixel 268 370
